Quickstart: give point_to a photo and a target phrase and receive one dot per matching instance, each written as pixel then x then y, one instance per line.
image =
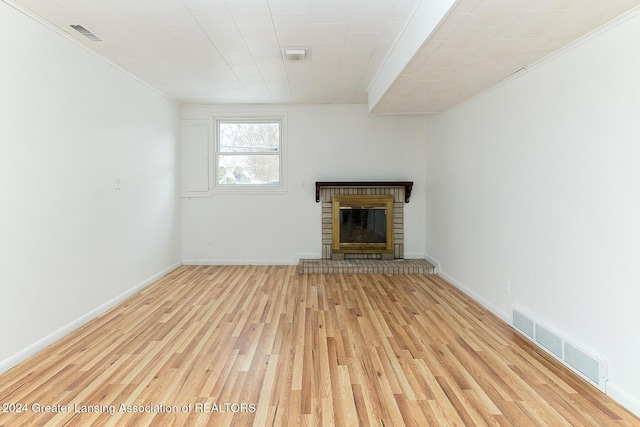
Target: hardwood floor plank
pixel 264 346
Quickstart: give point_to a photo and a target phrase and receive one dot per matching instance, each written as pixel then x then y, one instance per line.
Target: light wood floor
pixel 261 345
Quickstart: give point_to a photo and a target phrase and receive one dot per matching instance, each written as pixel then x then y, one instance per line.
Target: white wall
pixel 325 143
pixel 70 124
pixel 538 182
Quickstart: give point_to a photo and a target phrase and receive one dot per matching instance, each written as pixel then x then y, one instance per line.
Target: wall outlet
pixel 117 183
pixel 506 286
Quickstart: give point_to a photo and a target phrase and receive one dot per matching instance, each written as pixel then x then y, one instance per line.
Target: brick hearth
pixel 365 266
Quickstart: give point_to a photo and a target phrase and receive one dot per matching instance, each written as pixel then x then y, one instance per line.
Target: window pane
pixel 248 169
pixel 249 137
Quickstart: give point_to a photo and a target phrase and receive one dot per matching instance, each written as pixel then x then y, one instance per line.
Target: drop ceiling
pixel 398 56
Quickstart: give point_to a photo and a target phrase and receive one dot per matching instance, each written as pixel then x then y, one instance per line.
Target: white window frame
pixel 280 188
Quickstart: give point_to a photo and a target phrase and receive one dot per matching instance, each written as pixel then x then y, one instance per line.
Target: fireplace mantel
pixel 408 185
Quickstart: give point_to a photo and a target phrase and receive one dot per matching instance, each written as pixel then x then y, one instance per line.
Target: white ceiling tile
pixel 328 33
pixel 274 77
pixel 501 50
pixel 326 51
pixel 292 23
pixel 390 31
pixel 368 74
pixel 53 11
pixel 290 6
pixel 194 41
pixel 254 25
pixel 246 70
pixel 330 11
pixel 429 74
pixel 362 41
pixel 552 5
pixel 356 56
pixel 217 51
pixel 427 49
pixel 256 34
pixel 222 32
pixel 272 70
pixel 264 49
pixel 278 87
pixel 466 6
pixel 469 38
pixel 247 8
pixel 528 25
pixel 238 57
pixel 324 64
pixel 368 21
pixel 444 59
pixel 104 27
pixel 382 5
pixel 254 86
pixel 381 50
pixel 205 7
pixel 497 14
pixel 472 67
pixel 402 10
pixel 360 97
pixel 183 18
pixel 294 40
pixel 447 27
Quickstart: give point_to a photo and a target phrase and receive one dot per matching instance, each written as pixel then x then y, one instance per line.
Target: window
pixel 249 153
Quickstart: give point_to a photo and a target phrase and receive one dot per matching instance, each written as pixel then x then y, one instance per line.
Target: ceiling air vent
pixel 295 53
pixel 88 34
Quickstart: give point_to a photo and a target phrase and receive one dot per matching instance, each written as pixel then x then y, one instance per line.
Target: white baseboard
pixel 239 262
pixel 628 401
pixel 299 256
pixel 309 255
pixel 486 304
pixel 24 354
pixel 632 403
pixel 480 300
pixel 433 261
pixel 413 255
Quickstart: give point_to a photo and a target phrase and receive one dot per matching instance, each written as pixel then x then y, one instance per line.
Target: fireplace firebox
pixel 362 224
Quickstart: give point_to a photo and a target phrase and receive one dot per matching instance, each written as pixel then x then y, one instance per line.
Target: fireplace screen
pixel 362 223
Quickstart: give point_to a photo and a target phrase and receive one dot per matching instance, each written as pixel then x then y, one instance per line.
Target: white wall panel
pixel 538 183
pixel 324 143
pixel 72 125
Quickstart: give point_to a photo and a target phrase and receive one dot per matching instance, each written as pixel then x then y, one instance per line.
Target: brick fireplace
pixel 363 196
pixel 367 259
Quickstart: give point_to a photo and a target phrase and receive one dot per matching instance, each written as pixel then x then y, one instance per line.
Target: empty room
pixel 319 212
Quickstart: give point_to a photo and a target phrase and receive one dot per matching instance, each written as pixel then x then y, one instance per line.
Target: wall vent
pixel 589 367
pixel 549 340
pixel 523 324
pixel 582 362
pixel 88 34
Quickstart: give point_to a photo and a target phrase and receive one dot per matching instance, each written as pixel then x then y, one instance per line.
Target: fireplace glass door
pixel 362 223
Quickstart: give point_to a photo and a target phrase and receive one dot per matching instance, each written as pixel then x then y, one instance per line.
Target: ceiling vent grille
pixel 295 54
pixel 88 34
